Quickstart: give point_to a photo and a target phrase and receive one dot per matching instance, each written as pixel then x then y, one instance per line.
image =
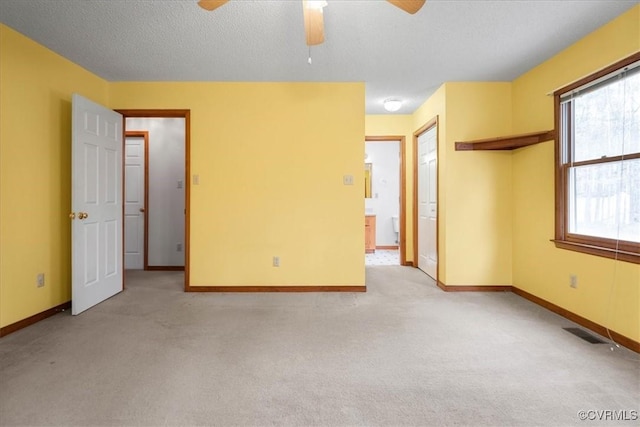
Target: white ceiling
pixel 394 53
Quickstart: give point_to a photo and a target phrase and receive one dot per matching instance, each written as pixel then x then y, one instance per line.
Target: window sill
pixel 598 251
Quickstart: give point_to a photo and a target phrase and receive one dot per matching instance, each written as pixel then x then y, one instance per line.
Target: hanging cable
pixel 618 212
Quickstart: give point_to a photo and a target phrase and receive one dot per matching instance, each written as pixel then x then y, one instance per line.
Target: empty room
pixel 319 213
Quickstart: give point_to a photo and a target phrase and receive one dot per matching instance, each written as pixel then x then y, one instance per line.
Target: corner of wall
pixel 539 267
pixel 36 85
pixel 477 186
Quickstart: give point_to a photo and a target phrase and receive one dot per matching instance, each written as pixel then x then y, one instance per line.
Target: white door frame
pixel 427 126
pixel 402 240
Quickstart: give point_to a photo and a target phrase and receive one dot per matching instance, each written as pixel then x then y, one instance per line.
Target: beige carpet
pixel 404 353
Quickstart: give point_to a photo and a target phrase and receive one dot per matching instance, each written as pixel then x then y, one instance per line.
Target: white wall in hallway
pixel 166 188
pixel 385 188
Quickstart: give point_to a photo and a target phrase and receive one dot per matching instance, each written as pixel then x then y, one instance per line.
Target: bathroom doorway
pixel 385 242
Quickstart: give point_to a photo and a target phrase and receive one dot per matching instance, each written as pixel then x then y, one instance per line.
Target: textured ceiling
pixel 394 53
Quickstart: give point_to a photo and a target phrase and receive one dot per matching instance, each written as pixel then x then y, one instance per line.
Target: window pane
pixel 607 120
pixel 604 200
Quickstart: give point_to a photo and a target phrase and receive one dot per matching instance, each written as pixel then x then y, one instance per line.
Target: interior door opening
pixel 385 186
pixel 165 214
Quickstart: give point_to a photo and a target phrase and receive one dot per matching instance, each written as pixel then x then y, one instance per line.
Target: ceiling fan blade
pixel 211 4
pixel 409 6
pixel 313 22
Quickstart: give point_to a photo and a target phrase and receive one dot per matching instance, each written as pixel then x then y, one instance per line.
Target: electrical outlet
pixel 276 261
pixel 347 180
pixel 573 281
pixel 179 247
pixel 40 280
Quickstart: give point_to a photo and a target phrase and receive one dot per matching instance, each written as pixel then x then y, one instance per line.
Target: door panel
pixel 97 227
pixel 111 239
pixel 423 185
pixel 427 202
pixel 110 178
pixel 134 205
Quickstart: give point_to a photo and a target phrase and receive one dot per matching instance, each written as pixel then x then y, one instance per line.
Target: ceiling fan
pixel 313 17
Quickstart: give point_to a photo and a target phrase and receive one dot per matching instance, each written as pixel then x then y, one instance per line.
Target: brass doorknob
pixel 72 215
pixel 141 209
pixel 83 215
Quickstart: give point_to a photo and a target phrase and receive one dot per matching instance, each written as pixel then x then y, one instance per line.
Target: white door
pixel 96 233
pixel 134 196
pixel 427 202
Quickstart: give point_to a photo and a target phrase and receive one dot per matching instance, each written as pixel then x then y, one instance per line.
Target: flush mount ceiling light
pixel 392 105
pixel 316 4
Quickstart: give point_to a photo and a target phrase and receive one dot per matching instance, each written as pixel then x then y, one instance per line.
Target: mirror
pixel 368 168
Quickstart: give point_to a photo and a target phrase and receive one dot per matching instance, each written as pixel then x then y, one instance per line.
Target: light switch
pixel 179 183
pixel 196 179
pixel 347 179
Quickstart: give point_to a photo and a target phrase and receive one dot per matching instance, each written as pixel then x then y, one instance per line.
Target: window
pixel 598 163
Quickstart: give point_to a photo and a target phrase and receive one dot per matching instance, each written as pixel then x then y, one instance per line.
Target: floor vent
pixel 581 333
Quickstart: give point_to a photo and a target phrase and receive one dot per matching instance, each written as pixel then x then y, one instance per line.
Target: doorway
pixel 385 200
pixel 425 197
pixel 166 208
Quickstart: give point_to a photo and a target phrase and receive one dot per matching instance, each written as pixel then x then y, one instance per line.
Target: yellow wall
pixel 271 159
pixel 474 223
pixel 398 125
pixel 497 208
pixel 270 171
pixel 271 180
pixel 608 292
pixel 477 186
pixel 35 159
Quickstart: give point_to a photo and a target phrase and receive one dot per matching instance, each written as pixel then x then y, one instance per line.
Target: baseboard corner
pixel 474 288
pixel 21 324
pixel 618 338
pixel 279 288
